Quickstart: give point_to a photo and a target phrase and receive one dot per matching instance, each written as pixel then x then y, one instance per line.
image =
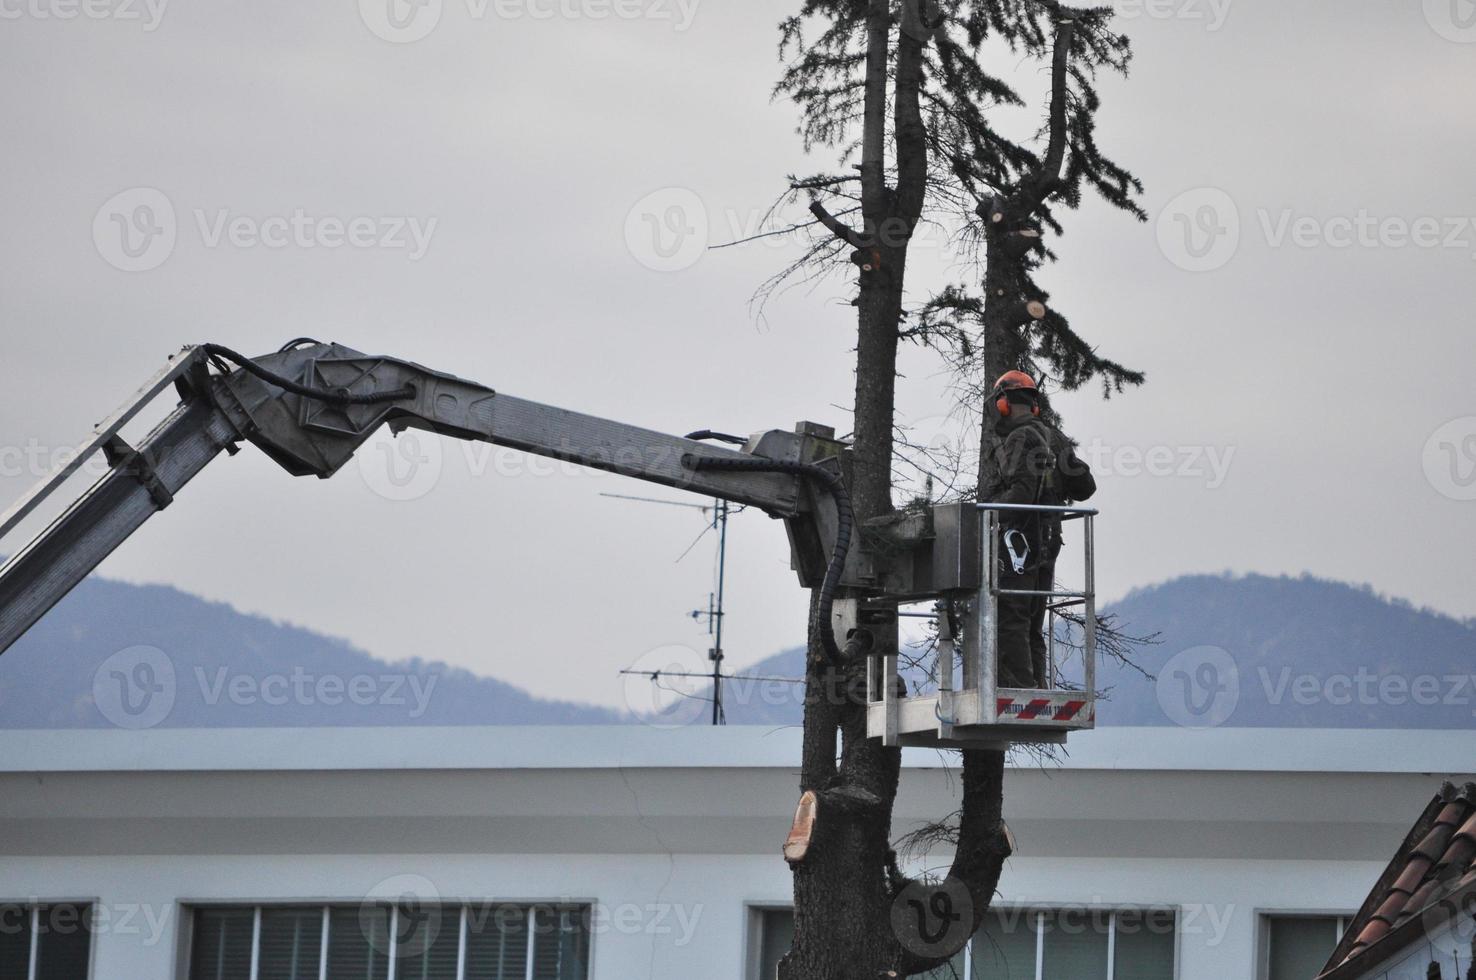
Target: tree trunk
pixel 847 885
pixel 842 893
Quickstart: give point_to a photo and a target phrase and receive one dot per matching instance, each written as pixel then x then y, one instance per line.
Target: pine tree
pixel 900 90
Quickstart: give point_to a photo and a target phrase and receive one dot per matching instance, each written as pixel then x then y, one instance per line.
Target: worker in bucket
pixel 1035 463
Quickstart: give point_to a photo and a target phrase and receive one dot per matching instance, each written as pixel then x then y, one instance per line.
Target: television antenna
pixel 721 510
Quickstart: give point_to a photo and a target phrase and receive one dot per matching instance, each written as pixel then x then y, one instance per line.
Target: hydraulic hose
pixel 703 435
pixel 306 391
pixel 844 525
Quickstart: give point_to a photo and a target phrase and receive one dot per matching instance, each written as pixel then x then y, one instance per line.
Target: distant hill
pixel 1256 652
pixel 1309 653
pixel 1247 651
pixel 146 656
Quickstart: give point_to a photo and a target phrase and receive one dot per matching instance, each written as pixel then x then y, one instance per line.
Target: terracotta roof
pixel 1436 861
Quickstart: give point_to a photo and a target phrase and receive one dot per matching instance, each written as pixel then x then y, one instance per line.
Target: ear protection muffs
pixel 1002 403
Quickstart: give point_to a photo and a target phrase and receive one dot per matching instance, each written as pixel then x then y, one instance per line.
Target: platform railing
pixel 984 650
pixel 973 711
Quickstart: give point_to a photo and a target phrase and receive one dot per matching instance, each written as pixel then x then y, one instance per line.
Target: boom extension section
pixel 310 408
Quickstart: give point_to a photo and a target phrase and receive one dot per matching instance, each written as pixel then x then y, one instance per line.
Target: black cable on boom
pixel 338 397
pixel 844 523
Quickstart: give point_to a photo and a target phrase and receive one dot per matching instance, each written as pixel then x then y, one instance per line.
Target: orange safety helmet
pixel 1014 381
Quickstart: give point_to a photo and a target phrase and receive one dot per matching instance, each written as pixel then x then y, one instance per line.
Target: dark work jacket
pixel 1025 464
pixel 1037 464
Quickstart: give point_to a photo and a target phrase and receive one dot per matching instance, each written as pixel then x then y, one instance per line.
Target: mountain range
pixel 1249 651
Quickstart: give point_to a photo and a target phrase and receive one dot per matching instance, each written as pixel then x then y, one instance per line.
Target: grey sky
pixel 1295 390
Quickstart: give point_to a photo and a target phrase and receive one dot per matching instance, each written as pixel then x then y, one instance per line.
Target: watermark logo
pixel 1199 231
pixel 401 21
pixel 665 687
pixel 417 923
pixel 933 919
pixel 922 25
pixel 391 233
pixel 408 21
pixel 1209 465
pixel 1368 688
pixel 138 229
pixel 135 688
pixel 667 230
pixel 150 13
pixel 403 467
pixel 1199 687
pixel 298 687
pixel 1454 20
pixel 1450 920
pixel 1211 13
pixel 1450 459
pixel 135 230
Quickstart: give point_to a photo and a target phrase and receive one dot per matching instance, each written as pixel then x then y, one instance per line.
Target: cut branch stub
pixel 803 829
pixel 1023 313
pixel 869 259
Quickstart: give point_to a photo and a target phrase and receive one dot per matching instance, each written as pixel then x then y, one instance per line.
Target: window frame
pixel 33 908
pixel 1263 930
pixel 188 907
pixel 1035 910
pixel 753 940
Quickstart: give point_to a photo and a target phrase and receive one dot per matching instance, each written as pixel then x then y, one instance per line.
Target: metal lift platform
pixel 969 710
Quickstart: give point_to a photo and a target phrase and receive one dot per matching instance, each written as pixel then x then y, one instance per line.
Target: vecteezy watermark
pixel 675 921
pixel 391 233
pixel 665 687
pixel 139 687
pixel 1368 688
pixel 1366 230
pixel 670 229
pixel 1199 231
pixel 411 465
pixel 148 13
pixel 403 467
pixel 1454 20
pixel 145 924
pixel 1199 687
pixel 1209 464
pixel 1449 920
pixel 1211 13
pixel 35 460
pixel 933 919
pixel 135 688
pixel 417 918
pixel 667 230
pixel 408 21
pixel 1449 459
pixel 299 687
pixel 137 230
pixel 1097 917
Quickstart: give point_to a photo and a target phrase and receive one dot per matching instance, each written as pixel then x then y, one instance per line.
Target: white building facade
pixel 624 853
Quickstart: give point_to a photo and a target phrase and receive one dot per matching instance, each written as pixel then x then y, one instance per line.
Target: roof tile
pixel 1433 846
pixel 1453 814
pixel 1414 873
pixel 1442 862
pixel 1457 860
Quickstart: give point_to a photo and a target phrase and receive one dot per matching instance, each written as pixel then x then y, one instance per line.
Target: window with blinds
pixel 1298 945
pixel 50 941
pixel 1031 944
pixel 388 942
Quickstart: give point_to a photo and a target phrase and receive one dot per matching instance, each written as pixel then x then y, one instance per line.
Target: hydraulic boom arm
pixel 310 406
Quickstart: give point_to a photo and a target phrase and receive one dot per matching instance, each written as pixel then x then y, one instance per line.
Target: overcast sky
pixel 531 178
